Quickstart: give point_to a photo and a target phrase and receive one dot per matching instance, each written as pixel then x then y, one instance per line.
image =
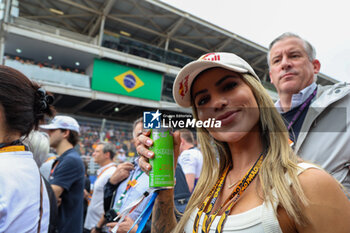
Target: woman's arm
pixel 329 208
pixel 163 215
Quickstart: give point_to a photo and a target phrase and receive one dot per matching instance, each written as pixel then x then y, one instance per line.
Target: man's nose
pixel 286 63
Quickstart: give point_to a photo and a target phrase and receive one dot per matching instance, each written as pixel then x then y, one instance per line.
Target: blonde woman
pixel 259 185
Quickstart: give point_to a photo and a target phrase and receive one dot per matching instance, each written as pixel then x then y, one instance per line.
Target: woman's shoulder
pixel 310 174
pixel 325 198
pixel 316 182
pixel 304 166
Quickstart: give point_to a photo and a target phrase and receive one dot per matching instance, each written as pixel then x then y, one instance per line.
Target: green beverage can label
pixel 162 173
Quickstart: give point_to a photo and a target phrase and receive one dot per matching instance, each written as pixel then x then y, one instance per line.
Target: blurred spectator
pixel 126 185
pixel 191 159
pixel 67 175
pixel 45 168
pixel 87 190
pixel 103 156
pixel 121 157
pixel 38 143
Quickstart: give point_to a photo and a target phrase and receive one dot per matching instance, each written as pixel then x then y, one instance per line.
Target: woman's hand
pixel 145 154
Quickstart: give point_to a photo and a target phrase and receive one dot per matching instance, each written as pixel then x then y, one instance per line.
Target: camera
pixel 110 215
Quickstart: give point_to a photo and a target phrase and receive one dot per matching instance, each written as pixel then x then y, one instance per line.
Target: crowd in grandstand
pixel 41 64
pixel 91 135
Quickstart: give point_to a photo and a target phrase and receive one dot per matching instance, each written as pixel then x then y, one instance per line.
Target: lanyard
pixel 301 109
pixel 131 183
pixel 144 216
pixel 210 200
pixel 12 149
pixel 112 165
pixel 207 199
pixel 54 165
pixel 51 158
pixel 129 209
pixel 92 191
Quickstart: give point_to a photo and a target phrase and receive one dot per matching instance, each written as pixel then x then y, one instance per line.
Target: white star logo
pixel 156 115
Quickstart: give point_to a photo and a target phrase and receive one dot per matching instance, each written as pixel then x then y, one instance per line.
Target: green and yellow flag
pixel 124 80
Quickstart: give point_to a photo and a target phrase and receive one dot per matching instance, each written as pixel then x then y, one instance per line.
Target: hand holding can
pixel 162 174
pixel 143 149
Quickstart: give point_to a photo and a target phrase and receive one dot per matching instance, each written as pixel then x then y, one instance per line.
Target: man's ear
pixel 317 66
pixel 66 133
pixel 182 140
pixel 107 154
pixel 270 77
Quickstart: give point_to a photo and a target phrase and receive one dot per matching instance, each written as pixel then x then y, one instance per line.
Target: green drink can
pixel 162 173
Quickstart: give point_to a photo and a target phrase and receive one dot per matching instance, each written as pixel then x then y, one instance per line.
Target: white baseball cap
pixel 183 82
pixel 62 122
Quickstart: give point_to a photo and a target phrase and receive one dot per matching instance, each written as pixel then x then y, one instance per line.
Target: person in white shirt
pixel 191 159
pixel 24 203
pixel 103 156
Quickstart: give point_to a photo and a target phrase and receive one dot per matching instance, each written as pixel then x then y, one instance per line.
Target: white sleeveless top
pixel 257 220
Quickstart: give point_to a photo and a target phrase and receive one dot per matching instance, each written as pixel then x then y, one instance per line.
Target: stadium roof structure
pixel 149 22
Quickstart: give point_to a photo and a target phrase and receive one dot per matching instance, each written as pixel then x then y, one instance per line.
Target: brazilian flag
pixel 125 80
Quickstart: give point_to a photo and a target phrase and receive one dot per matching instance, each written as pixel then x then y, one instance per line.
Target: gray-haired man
pixel 317 116
pixel 103 156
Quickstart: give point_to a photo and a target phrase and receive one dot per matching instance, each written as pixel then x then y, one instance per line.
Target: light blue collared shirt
pixel 299 98
pixel 134 192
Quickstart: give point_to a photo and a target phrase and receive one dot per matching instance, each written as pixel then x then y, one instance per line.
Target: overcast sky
pixel 325 24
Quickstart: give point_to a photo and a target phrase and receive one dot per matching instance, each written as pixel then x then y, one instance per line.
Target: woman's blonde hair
pixel 280 161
